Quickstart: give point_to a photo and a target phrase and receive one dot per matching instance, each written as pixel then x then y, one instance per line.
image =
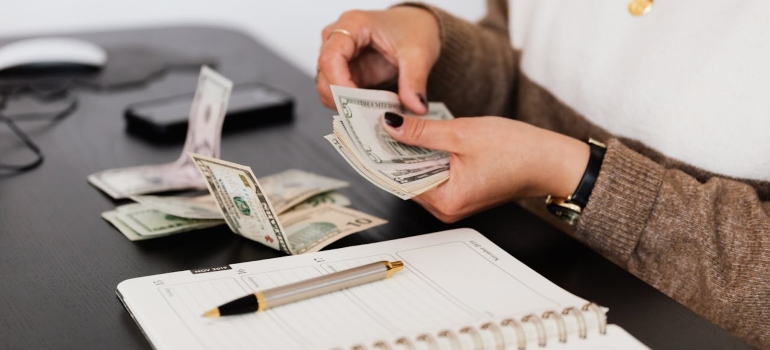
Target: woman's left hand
pixel 493 160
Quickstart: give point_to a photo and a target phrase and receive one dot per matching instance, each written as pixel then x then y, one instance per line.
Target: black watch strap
pixel 586 185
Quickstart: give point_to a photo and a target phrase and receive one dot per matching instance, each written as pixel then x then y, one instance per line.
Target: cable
pixel 11 122
pixel 52 91
pixel 19 168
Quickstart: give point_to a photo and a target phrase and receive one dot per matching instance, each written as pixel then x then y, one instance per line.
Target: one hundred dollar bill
pixel 242 201
pixel 203 137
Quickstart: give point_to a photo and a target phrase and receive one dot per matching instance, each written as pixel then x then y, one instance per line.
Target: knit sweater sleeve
pixel 704 243
pixel 475 72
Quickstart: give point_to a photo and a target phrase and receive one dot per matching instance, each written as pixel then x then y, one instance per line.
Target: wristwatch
pixel 570 208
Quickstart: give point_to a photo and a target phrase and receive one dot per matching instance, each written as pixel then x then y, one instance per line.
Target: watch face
pixel 565 211
pixel 570 217
pixel 567 215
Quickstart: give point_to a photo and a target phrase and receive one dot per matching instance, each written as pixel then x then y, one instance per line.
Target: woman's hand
pixel 369 48
pixel 493 160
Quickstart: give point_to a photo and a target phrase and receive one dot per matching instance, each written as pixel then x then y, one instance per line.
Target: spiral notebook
pixel 458 291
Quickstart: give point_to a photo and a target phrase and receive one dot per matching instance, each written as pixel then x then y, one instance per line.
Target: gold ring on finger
pixel 339 30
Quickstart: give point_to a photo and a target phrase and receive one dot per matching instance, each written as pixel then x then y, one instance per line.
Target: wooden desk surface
pixel 60 261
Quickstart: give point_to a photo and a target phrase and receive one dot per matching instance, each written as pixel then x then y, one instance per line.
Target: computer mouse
pixel 47 54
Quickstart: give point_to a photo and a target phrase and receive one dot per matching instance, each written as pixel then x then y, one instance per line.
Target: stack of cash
pixel 403 170
pixel 312 213
pixel 249 212
pixel 157 216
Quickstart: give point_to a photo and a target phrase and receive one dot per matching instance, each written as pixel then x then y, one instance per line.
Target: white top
pixel 690 79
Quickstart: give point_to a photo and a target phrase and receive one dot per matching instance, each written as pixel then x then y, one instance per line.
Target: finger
pixel 326 31
pixel 433 134
pixel 341 43
pixel 354 22
pixel 334 58
pixel 414 68
pixel 371 68
pixel 324 91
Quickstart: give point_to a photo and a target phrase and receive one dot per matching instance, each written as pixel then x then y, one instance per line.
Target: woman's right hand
pixel 402 42
pixel 492 160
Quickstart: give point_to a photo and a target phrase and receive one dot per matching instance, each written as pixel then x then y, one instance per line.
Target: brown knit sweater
pixel 702 239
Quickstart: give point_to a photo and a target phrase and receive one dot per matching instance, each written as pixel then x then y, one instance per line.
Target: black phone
pixel 250 105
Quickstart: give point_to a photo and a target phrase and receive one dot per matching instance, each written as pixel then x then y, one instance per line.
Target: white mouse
pixel 50 53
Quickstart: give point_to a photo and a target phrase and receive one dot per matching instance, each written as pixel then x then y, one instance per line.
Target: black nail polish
pixel 423 99
pixel 393 119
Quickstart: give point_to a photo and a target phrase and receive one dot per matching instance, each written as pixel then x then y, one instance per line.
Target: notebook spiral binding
pixel 496 331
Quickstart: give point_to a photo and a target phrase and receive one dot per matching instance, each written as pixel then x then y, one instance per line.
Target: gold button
pixel 640 7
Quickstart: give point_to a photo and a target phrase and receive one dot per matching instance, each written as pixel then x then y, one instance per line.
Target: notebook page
pixel 450 277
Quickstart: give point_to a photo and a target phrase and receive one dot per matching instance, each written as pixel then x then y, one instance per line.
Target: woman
pixel 681 194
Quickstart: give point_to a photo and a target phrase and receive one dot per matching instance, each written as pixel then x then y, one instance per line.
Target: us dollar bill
pixel 200 207
pixel 113 218
pixel 203 137
pixel 291 187
pixel 358 135
pixel 138 222
pixel 361 169
pixel 310 230
pixel 360 111
pixel 407 177
pixel 332 197
pixel 205 207
pixel 285 190
pixel 242 201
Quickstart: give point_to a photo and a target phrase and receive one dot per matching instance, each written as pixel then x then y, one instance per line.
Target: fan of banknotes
pixel 298 208
pixel 403 170
pixel 293 211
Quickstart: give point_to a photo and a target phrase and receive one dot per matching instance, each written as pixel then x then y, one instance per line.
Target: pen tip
pixel 212 313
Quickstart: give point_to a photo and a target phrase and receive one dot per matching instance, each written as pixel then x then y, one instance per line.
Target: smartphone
pixel 250 105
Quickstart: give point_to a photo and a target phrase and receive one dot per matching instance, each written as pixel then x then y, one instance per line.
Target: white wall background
pixel 290 27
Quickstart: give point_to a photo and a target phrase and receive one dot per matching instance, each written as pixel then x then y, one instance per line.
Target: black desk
pixel 60 262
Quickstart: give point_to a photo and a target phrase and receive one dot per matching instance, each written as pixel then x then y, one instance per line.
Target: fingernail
pixel 393 119
pixel 423 99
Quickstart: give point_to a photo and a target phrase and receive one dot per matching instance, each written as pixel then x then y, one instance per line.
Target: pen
pixel 309 288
